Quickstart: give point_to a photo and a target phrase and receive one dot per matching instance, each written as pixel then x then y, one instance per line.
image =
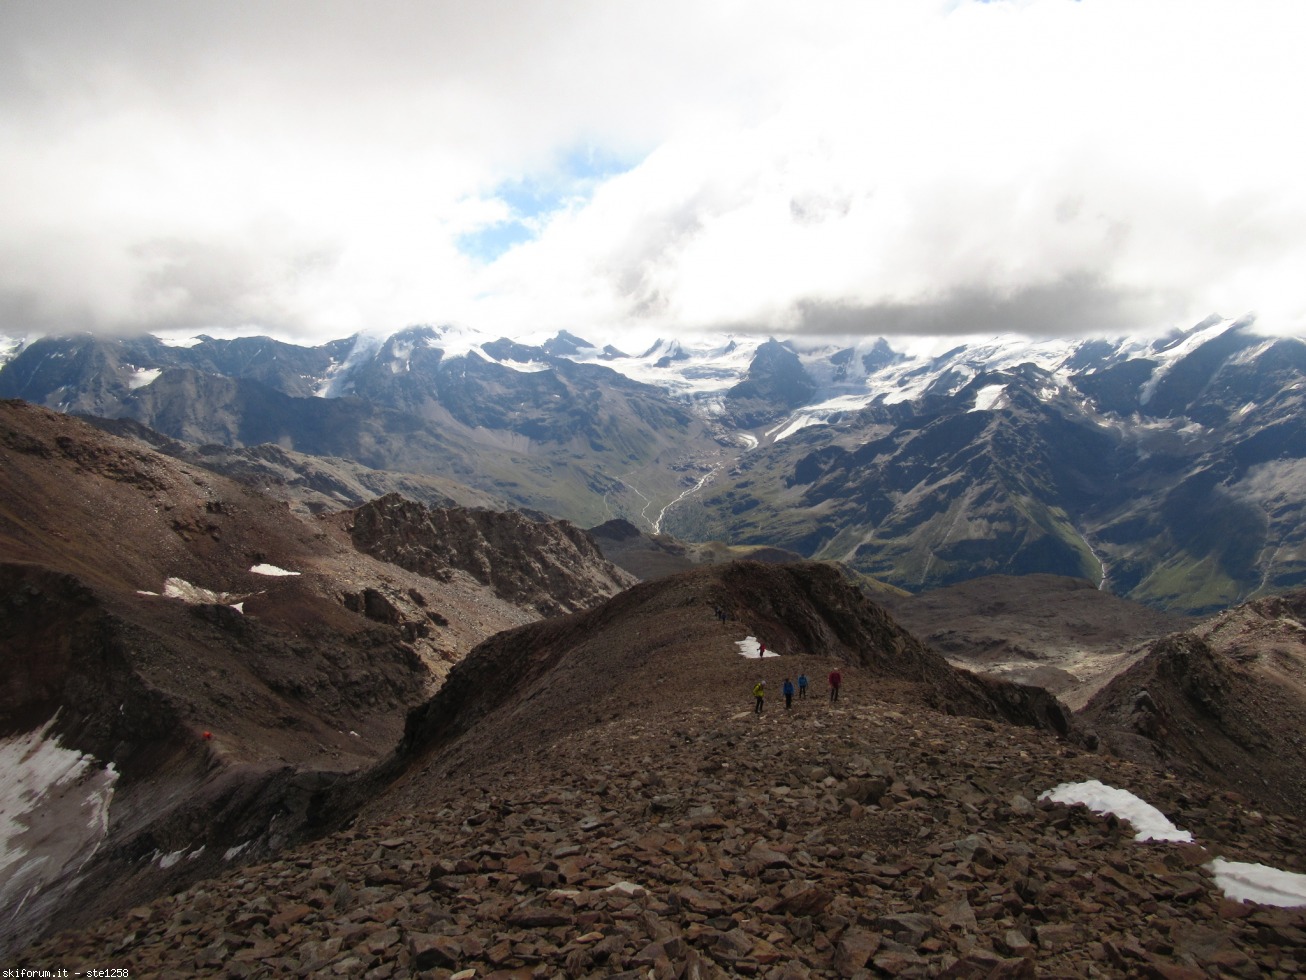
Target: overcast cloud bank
pixel 311 169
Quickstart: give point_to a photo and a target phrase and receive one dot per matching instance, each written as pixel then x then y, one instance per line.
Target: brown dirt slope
pixel 593 796
pixel 1225 702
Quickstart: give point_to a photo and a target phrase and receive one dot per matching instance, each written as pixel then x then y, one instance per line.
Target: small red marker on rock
pixel 208 736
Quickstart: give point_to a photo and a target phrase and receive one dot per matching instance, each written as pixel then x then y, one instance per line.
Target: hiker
pixel 835 680
pixel 802 686
pixel 759 692
pixel 789 693
pixel 761 649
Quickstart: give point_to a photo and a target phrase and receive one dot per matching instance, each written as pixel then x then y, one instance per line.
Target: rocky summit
pixel 594 796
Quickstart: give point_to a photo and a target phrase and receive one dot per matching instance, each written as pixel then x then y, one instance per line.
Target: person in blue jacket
pixel 802 686
pixel 788 692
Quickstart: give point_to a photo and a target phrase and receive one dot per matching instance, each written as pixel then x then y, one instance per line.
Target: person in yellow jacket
pixel 759 692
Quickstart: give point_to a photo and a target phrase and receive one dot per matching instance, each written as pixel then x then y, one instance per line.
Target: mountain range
pixel 1165 471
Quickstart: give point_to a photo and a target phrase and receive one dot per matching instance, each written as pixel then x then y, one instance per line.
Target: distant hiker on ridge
pixel 836 679
pixel 802 686
pixel 759 692
pixel 789 693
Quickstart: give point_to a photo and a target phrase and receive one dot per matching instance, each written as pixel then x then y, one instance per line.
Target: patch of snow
pixel 798 422
pixel 748 439
pixel 1148 822
pixel 1168 358
pixel 987 398
pixel 749 646
pixel 1258 883
pixel 9 348
pixel 527 367
pixel 336 382
pixel 140 377
pixel 239 607
pixel 264 569
pixel 179 588
pixel 54 811
pixel 235 852
pixel 1237 880
pixel 183 340
pixel 166 861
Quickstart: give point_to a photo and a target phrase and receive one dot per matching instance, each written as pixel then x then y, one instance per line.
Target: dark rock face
pixel 1224 702
pixel 775 385
pixel 552 567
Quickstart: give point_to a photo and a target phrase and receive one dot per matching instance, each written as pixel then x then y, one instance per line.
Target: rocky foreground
pixel 691 838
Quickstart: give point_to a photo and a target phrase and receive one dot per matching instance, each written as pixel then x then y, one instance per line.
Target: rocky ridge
pixel 1224 702
pixel 550 566
pixel 610 805
pixel 871 838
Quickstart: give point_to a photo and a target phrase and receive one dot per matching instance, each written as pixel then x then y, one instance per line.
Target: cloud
pixel 315 168
pixel 1076 305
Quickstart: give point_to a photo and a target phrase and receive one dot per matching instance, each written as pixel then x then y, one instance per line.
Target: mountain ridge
pixel 1167 469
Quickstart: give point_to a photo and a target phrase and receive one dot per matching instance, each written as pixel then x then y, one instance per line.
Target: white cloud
pixel 317 168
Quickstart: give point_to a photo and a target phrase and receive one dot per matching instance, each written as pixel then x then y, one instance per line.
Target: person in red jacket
pixel 835 680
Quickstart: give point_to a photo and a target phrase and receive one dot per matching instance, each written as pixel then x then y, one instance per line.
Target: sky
pixel 312 168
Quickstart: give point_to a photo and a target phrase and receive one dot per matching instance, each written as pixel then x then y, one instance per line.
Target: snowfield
pixel 1239 881
pixel 54 811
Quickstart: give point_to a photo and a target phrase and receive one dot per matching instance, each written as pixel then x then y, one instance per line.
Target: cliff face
pixel 1225 702
pixel 552 567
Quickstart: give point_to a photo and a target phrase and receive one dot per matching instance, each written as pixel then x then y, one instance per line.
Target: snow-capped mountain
pixel 1165 469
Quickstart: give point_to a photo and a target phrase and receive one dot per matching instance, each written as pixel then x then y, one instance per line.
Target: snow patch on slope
pixel 54 812
pixel 179 588
pixel 988 398
pixel 1238 881
pixel 140 377
pixel 265 569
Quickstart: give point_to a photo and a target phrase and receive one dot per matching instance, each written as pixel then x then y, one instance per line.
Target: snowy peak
pixel 565 344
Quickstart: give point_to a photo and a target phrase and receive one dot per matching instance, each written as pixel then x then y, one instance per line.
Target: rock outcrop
pixel 1225 702
pixel 552 567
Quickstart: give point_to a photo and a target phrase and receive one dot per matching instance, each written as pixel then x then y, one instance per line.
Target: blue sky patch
pixel 533 198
